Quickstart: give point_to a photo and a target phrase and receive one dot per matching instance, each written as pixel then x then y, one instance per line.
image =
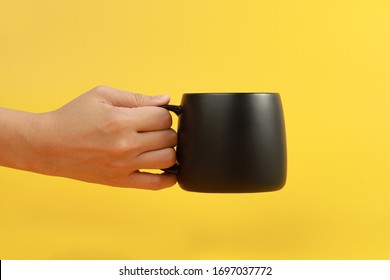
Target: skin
pixel 104 136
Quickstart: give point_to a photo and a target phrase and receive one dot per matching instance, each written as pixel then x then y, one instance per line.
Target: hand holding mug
pixel 227 142
pixel 104 136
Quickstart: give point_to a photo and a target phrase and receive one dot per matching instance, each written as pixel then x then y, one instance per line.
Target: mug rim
pixel 231 93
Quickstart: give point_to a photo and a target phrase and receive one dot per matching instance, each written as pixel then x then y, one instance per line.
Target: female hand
pixel 104 136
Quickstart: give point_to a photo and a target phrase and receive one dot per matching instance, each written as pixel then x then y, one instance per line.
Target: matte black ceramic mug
pixel 230 142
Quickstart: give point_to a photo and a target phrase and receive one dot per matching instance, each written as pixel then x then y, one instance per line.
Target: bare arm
pixel 104 136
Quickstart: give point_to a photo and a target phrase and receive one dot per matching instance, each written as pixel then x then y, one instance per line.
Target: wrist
pixel 22 138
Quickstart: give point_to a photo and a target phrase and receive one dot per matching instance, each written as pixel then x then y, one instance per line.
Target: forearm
pixel 19 143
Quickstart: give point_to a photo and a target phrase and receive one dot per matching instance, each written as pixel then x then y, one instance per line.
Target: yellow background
pixel 330 61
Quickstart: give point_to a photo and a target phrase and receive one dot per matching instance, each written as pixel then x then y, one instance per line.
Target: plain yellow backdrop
pixel 329 60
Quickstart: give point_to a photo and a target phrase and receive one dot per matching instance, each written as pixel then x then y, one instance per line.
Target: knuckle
pixel 136 99
pixel 117 147
pixel 139 98
pixel 114 123
pixel 121 147
pixel 101 89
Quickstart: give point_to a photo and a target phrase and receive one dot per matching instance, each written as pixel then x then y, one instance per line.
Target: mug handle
pixel 177 110
pixel 174 108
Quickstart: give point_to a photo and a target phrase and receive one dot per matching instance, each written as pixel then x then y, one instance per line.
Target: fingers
pixel 150 118
pixel 143 180
pixel 121 98
pixel 156 140
pixel 159 159
pixel 153 141
pixel 145 113
pixel 149 181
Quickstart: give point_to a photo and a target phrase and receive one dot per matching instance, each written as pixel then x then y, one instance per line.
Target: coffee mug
pixel 230 142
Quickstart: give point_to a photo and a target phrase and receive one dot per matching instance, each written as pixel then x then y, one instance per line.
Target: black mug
pixel 230 142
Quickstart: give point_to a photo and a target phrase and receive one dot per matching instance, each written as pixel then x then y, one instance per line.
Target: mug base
pixel 232 189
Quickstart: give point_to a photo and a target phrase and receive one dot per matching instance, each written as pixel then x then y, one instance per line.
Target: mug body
pixel 231 143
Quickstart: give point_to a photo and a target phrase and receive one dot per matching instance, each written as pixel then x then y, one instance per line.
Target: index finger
pixel 150 118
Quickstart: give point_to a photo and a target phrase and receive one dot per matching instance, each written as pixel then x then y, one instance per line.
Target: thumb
pixel 122 98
